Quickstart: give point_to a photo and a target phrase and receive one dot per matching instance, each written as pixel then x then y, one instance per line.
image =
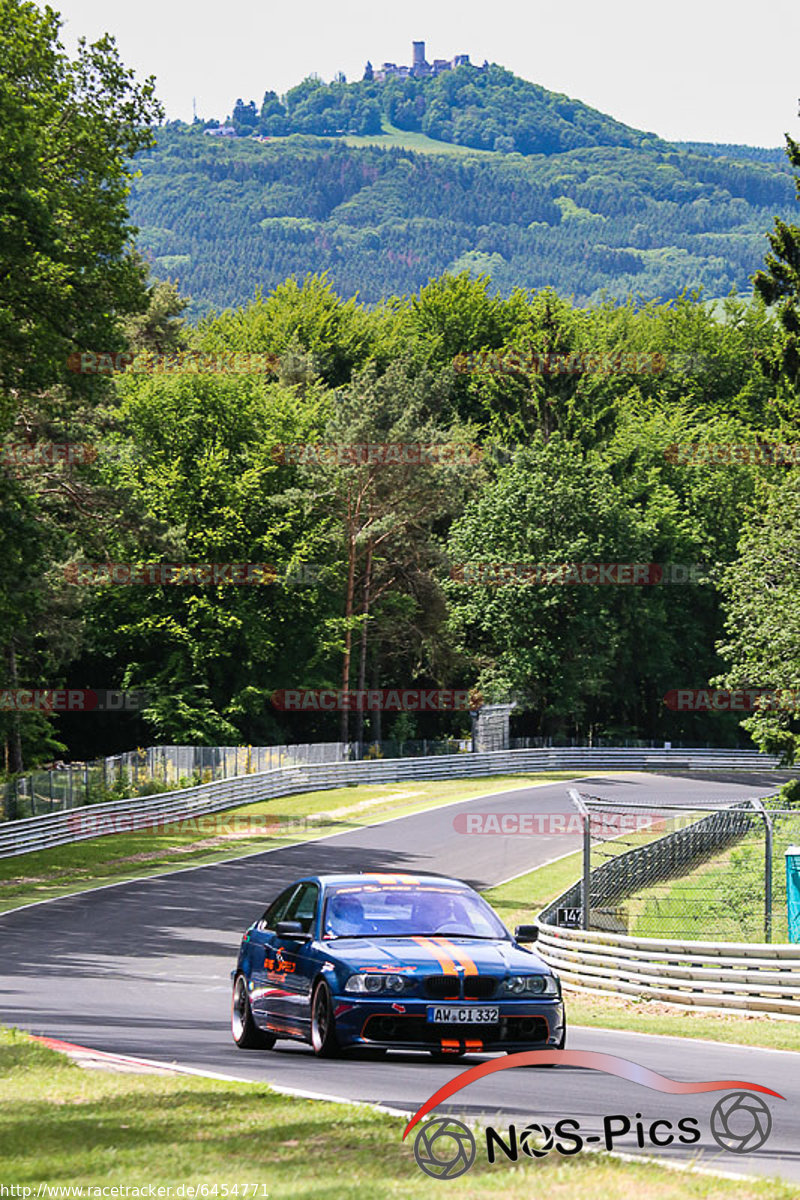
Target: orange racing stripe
pixel 446 963
pixel 460 956
pixel 386 877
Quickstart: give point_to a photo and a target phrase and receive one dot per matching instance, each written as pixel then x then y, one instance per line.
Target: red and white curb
pixel 103 1060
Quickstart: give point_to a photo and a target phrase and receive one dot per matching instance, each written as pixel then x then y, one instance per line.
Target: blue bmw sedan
pixel 392 961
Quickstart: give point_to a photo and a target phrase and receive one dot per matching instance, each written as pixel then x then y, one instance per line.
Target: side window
pixel 277 910
pixel 303 907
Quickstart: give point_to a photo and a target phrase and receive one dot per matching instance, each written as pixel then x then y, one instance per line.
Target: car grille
pixel 479 987
pixel 442 987
pixel 446 987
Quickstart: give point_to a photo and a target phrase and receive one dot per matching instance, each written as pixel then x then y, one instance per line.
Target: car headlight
pixel 532 985
pixel 374 983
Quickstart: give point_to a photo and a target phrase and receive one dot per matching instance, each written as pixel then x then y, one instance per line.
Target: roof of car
pixel 388 877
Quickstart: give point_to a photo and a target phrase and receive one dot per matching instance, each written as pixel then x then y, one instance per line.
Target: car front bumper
pixel 403 1024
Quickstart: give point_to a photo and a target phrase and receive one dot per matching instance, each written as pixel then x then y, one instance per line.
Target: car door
pixel 297 957
pixel 265 997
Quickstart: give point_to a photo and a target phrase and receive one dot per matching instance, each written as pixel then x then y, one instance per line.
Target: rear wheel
pixel 245 1032
pixel 323 1023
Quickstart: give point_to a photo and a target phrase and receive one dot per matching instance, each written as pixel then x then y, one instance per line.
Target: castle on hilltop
pixel 420 68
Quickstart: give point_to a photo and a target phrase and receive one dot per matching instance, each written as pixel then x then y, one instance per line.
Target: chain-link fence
pixel 153 769
pixel 701 873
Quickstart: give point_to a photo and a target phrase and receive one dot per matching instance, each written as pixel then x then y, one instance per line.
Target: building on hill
pixel 420 68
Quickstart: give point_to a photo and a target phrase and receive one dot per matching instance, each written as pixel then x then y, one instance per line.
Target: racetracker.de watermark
pixel 384 454
pixel 736 700
pixel 578 362
pixel 70 700
pixel 299 574
pixel 568 574
pixel 374 700
pixel 179 362
pixel 47 453
pixel 163 574
pixel 84 822
pixel 697 454
pixel 530 824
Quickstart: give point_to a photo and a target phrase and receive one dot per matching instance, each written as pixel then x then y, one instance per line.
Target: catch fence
pixel 664 871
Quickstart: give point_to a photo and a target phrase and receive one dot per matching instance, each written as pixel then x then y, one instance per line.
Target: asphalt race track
pixel 143 968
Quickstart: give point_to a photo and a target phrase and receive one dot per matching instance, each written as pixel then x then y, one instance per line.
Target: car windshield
pixel 362 910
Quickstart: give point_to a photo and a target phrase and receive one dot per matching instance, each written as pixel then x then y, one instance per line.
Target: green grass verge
pixel 61 1125
pixel 519 901
pixel 64 870
pixel 723 898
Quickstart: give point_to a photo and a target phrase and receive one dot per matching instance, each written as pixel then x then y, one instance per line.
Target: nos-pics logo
pixel 445 1148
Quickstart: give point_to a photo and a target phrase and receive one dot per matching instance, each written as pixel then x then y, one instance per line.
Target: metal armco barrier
pixel 60 828
pixel 752 977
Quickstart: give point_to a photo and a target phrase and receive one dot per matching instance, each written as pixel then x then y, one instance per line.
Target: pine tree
pixel 780 283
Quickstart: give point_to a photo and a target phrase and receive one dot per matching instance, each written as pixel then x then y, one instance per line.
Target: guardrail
pixel 63 827
pixel 748 976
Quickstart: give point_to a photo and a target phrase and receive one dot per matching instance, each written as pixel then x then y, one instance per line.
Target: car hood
pixel 433 955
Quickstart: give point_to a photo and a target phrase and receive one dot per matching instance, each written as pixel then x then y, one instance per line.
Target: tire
pixel 245 1032
pixel 323 1023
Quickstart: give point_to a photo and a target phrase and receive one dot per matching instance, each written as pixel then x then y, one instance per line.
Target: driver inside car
pixel 438 911
pixel 346 916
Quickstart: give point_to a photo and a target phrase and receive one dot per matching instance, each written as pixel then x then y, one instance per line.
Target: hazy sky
pixel 692 70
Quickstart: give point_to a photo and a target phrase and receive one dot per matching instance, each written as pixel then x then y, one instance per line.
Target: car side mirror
pixel 291 929
pixel 526 933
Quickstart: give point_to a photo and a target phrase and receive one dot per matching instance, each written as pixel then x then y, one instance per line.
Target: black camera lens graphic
pixel 444 1148
pixel 741 1122
pixel 536 1140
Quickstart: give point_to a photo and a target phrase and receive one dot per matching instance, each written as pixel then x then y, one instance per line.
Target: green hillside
pixel 226 216
pixel 486 108
pixel 387 184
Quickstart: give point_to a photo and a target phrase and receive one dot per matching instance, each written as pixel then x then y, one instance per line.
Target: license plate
pixel 461 1015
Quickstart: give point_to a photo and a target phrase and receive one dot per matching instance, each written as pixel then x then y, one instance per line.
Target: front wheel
pixel 323 1023
pixel 245 1032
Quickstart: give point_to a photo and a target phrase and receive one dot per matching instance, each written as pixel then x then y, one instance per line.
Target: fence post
pixel 758 805
pixel 577 800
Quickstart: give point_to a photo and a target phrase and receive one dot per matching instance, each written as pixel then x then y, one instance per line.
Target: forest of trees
pixel 577 468
pixel 486 108
pixel 576 420
pixel 228 216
